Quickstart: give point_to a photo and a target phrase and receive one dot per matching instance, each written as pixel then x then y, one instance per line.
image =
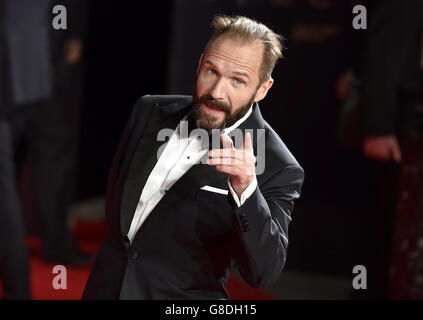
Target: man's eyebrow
pixel 244 74
pixel 209 62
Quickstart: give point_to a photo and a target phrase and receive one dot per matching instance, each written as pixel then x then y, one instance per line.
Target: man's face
pixel 228 82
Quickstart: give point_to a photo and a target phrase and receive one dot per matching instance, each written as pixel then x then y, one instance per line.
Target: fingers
pixel 224 160
pixel 235 170
pixel 382 148
pixel 231 156
pixel 227 142
pixel 231 170
pixel 247 145
pixel 227 153
pixel 396 153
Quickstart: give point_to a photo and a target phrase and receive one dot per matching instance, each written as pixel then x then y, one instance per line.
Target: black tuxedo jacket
pixel 188 244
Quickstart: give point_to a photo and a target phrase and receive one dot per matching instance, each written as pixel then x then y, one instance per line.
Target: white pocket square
pixel 215 190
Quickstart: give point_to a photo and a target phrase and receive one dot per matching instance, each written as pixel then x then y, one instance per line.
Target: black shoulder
pixel 276 150
pixel 280 163
pixel 163 101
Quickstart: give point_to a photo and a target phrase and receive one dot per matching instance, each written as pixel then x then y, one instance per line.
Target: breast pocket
pixel 215 210
pixel 215 190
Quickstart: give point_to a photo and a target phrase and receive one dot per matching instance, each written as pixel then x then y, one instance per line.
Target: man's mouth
pixel 213 109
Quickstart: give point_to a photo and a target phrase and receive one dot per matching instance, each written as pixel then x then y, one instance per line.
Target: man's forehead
pixel 237 42
pixel 239 51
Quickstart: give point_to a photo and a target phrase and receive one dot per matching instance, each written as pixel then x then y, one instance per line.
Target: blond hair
pixel 250 30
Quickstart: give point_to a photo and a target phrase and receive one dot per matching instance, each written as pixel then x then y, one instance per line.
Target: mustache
pixel 216 103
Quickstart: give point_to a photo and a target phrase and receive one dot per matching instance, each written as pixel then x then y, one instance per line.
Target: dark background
pixel 125 57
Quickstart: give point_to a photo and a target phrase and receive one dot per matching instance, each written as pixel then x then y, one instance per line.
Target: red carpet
pixel 89 236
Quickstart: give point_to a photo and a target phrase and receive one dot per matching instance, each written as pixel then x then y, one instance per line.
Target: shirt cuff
pixel 246 194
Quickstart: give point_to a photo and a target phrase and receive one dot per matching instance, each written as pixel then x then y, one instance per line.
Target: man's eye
pixel 238 81
pixel 211 71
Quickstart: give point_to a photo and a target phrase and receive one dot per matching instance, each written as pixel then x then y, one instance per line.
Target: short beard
pixel 197 119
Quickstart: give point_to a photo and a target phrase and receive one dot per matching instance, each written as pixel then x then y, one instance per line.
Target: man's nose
pixel 217 91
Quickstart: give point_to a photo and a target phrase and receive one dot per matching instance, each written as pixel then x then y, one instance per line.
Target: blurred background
pixel 351 200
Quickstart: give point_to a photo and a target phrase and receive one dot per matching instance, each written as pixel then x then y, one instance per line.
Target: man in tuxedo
pixel 181 214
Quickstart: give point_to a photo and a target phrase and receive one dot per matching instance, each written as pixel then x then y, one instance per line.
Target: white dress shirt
pixel 179 155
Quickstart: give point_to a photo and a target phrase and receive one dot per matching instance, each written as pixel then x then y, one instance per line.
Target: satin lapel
pixel 140 126
pixel 254 121
pixel 168 115
pixel 140 165
pixel 142 157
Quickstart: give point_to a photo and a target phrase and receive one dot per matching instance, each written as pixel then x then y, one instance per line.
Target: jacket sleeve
pixel 262 226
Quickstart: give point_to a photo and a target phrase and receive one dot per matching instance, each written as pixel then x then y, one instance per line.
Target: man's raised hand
pixel 240 163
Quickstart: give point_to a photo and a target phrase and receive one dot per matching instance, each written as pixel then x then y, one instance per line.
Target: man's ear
pixel 262 91
pixel 200 62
